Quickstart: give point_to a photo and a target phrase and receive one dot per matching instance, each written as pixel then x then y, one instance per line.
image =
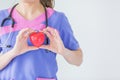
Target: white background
pixel 96 25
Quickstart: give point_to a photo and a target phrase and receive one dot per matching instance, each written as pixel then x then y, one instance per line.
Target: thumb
pixel 44 47
pixel 32 48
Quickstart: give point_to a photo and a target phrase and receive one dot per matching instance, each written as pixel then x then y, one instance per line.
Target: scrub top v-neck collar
pixel 25 20
pixel 20 20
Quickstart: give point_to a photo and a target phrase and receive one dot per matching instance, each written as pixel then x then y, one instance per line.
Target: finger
pixel 44 47
pixel 57 33
pixel 25 32
pixel 20 35
pixel 32 48
pixel 28 32
pixel 51 30
pixel 48 34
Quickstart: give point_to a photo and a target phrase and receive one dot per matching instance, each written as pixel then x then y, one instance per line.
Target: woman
pixel 23 61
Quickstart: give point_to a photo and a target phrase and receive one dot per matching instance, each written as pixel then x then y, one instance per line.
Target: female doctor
pixel 22 60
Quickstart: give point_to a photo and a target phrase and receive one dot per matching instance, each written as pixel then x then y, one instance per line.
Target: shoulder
pixel 3 14
pixel 56 14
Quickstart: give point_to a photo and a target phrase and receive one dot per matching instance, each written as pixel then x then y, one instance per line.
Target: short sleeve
pixel 67 34
pixel 2 16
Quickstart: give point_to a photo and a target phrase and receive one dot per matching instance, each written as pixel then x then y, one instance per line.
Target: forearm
pixel 73 57
pixel 6 58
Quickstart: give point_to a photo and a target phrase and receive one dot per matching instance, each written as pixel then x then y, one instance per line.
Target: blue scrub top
pixel 37 63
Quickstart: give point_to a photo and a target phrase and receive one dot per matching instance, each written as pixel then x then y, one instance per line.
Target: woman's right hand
pixel 21 45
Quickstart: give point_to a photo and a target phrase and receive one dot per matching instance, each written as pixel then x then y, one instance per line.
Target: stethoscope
pixel 5 45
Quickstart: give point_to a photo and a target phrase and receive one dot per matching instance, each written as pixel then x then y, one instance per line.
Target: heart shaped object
pixel 37 38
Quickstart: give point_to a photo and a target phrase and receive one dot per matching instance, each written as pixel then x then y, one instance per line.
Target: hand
pixel 56 45
pixel 21 45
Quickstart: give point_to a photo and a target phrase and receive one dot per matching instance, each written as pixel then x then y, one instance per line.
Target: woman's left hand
pixel 56 45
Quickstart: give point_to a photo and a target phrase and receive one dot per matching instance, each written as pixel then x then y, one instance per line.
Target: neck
pixel 30 9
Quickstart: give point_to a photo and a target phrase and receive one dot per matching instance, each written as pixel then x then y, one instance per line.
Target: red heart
pixel 37 38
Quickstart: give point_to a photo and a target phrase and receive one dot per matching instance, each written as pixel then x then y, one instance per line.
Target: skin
pixel 30 9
